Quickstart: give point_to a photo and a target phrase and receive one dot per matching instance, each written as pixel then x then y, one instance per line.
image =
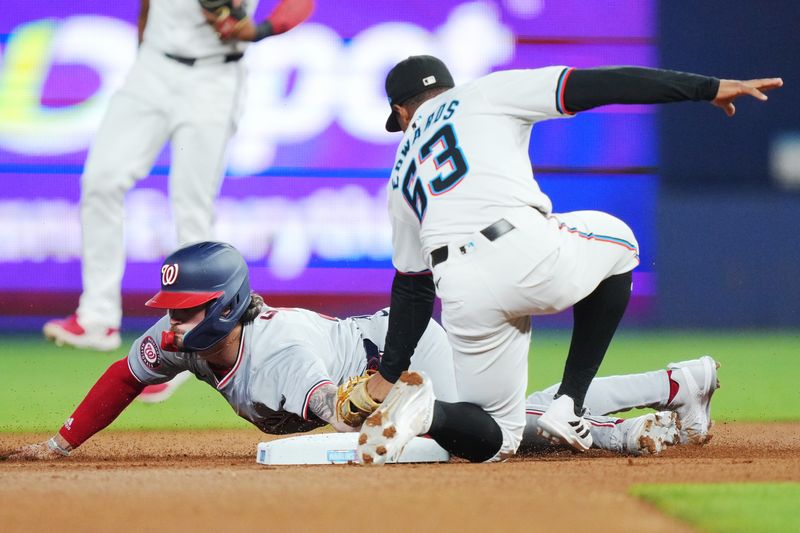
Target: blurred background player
pixel 186 87
pixel 282 369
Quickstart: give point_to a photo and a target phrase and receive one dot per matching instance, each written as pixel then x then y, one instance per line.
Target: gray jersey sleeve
pixel 149 363
pixel 291 379
pixel 530 95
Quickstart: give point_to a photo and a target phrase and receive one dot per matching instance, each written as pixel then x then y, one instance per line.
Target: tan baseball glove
pixel 353 402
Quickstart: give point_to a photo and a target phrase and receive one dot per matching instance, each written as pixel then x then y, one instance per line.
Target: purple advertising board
pixel 304 194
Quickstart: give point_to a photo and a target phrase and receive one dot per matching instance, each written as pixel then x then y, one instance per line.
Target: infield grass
pixel 43 383
pixel 728 507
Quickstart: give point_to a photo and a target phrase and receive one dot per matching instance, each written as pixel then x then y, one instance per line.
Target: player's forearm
pixel 288 14
pixel 409 315
pixel 323 404
pixel 112 393
pixel 588 88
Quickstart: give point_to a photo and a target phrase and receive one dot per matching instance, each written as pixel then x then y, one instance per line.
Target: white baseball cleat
pixel 560 425
pixel 68 331
pixel 406 412
pixel 650 434
pixel 697 380
pixel 162 391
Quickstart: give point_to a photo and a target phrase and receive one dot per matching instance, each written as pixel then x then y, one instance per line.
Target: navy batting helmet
pixel 212 273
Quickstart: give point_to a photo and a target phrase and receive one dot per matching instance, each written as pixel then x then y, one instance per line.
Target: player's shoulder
pixel 502 78
pixel 281 325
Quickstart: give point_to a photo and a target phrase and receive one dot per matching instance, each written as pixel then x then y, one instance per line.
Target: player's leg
pixel 204 123
pixel 607 252
pixel 593 274
pixel 490 351
pixel 127 143
pixel 198 164
pixel 645 434
pixel 491 374
pixel 129 138
pixel 595 320
pixel 615 394
pixel 686 388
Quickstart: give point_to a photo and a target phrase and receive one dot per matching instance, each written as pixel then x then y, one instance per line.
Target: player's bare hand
pixel 378 387
pixel 730 90
pixel 34 452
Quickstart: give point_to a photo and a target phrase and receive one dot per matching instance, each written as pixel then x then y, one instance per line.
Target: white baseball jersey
pixel 284 356
pixel 464 161
pixel 178 27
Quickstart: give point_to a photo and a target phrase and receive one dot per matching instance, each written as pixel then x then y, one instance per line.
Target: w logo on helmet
pixel 169 274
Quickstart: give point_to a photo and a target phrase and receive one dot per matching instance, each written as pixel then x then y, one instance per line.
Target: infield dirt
pixel 204 481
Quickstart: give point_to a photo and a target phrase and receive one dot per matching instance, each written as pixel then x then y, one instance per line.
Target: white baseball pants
pixel 489 290
pixel 196 108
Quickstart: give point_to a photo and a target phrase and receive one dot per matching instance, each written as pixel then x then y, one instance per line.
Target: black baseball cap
pixel 412 76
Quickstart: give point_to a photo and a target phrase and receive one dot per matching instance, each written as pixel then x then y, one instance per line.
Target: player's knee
pixel 492 446
pixel 104 183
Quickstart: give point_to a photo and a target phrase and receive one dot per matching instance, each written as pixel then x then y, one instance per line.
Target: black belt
pixel 491 232
pixel 190 61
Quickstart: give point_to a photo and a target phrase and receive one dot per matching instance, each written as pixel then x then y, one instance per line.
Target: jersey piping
pixel 562 83
pixel 233 370
pixel 598 238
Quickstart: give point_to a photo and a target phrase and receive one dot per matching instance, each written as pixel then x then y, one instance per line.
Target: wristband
pixel 263 30
pixel 53 445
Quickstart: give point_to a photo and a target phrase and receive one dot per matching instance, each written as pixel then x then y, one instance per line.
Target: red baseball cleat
pixel 68 331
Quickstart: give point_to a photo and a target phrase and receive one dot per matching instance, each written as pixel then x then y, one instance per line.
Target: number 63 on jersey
pixel 442 151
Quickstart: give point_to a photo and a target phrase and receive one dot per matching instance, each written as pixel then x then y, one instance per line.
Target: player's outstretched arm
pixel 106 400
pixel 54 448
pixel 589 88
pixel 730 90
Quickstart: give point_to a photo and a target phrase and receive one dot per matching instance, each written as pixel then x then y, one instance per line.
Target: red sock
pixel 673 387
